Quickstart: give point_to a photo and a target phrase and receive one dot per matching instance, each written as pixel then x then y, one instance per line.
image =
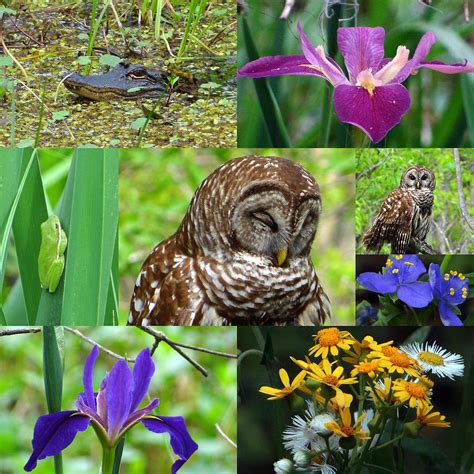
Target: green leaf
pixel 6 61
pixel 53 363
pixel 418 335
pixel 467 86
pixel 30 213
pixel 138 123
pixel 60 115
pixel 83 60
pixel 109 60
pixel 271 112
pixel 26 143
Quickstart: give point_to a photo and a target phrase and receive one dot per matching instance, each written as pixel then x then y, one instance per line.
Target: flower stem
pixel 326 117
pixel 388 443
pixel 107 460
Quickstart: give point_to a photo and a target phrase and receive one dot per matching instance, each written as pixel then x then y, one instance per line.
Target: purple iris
pixel 400 277
pixel 373 97
pixel 112 412
pixel 450 289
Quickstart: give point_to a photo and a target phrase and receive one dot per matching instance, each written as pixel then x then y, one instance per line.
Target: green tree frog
pixel 51 254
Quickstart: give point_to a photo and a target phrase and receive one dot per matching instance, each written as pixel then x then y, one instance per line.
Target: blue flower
pixel 449 290
pixel 400 275
pixel 112 412
pixel 366 314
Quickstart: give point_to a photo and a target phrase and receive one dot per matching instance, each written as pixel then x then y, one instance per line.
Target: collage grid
pixel 237 236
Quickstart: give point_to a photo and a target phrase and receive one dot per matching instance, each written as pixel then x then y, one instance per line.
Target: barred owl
pixel 404 218
pixel 241 254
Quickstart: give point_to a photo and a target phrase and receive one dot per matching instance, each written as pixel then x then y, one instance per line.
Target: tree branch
pixel 13 332
pixel 219 429
pixel 462 201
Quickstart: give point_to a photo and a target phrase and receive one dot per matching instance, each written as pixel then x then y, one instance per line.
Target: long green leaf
pixel 53 363
pixel 271 112
pixel 467 86
pixel 30 213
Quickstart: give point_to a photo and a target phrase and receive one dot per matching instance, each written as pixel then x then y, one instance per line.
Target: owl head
pixel 418 177
pixel 262 206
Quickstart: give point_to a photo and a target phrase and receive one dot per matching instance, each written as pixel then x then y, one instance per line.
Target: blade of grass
pixel 53 364
pixel 187 29
pixel 271 112
pixel 159 8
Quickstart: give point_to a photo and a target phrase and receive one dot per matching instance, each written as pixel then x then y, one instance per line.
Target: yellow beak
pixel 418 184
pixel 281 255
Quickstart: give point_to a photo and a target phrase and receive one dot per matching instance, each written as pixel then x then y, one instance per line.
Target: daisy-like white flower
pixel 305 431
pixel 433 358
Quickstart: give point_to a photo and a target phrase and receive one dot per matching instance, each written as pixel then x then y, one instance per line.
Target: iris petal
pixel 87 377
pixel 118 397
pixel 448 317
pixel 362 48
pixel 53 433
pixel 181 442
pixel 375 114
pixel 279 66
pixel 143 371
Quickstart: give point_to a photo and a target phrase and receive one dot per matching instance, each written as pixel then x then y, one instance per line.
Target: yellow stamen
pixel 446 277
pixel 389 263
pixel 398 257
pixel 395 270
pixel 408 264
pixel 451 291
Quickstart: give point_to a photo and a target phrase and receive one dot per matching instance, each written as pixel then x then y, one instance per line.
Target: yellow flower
pixel 278 393
pixel 333 378
pixel 345 429
pixel 383 390
pixel 396 361
pixel 416 394
pixel 428 418
pixel 370 368
pixel 333 401
pixel 330 340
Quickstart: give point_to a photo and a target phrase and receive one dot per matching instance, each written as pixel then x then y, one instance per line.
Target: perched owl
pixel 241 255
pixel 404 218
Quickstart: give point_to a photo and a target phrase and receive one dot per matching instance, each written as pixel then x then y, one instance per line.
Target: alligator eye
pixel 137 75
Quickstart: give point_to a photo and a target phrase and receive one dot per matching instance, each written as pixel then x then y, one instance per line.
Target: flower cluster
pixel 401 278
pixel 354 390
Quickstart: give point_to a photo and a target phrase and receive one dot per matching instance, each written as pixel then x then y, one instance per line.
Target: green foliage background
pixel 182 390
pixel 379 172
pixel 442 107
pixel 157 186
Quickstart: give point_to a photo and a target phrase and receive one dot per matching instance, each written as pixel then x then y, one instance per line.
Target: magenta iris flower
pixel 401 277
pixel 450 290
pixel 112 412
pixel 373 97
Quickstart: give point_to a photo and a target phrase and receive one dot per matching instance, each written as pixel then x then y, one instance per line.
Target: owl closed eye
pixel 241 254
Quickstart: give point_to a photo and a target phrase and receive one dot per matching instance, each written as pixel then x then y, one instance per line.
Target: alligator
pixel 124 81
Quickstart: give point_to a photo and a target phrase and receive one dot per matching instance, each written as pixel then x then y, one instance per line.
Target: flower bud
pixel 312 384
pixel 412 428
pixel 284 466
pixel 318 424
pixel 302 458
pixel 348 443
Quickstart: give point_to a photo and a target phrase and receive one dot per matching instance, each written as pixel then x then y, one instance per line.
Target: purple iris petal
pixel 53 433
pixel 448 316
pixel 448 68
pixel 375 114
pixel 411 267
pixel 143 371
pixel 118 396
pixel 182 444
pixel 278 66
pixel 384 284
pixel 331 71
pixel 87 377
pixel 362 48
pixel 421 51
pixel 416 294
